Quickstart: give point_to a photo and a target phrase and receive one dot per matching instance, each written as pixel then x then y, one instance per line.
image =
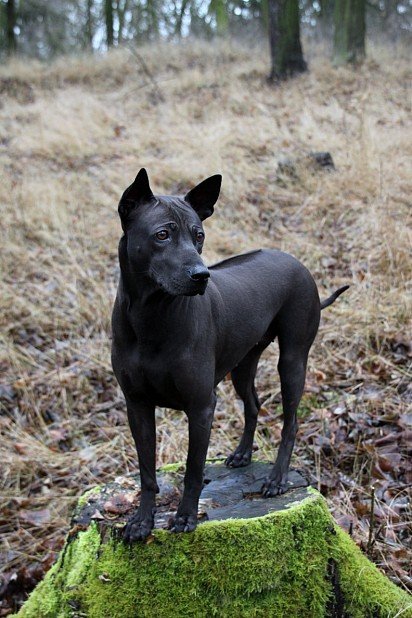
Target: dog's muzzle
pixel 199 276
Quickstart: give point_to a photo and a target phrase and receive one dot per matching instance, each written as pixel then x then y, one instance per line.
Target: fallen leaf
pixel 120 504
pixel 20 447
pixel 38 517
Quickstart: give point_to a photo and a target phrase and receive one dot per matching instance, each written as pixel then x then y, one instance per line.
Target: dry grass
pixel 72 136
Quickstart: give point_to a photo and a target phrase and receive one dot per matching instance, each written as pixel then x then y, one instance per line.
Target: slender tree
pixel 152 17
pixel 89 30
pixel 10 25
pixel 122 6
pixel 350 28
pixel 218 8
pixel 284 36
pixel 108 16
pixel 179 17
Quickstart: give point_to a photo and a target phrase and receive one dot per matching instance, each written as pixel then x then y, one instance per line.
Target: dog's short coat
pixel 179 328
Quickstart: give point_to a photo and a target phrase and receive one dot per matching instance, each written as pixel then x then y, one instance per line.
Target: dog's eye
pixel 200 236
pixel 162 235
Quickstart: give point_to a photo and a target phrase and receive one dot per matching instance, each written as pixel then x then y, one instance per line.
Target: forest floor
pixel 73 135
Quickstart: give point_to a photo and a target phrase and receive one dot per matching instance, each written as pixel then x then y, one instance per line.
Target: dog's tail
pixel 333 297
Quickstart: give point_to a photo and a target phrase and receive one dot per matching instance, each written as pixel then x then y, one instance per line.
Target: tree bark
pixel 284 36
pixel 152 20
pixel 11 22
pixel 179 18
pixel 108 15
pixel 121 10
pixel 219 9
pixel 264 14
pixel 326 17
pixel 350 28
pixel 89 24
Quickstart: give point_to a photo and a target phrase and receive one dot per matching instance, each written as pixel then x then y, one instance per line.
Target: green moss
pixel 366 590
pixel 173 467
pixel 57 595
pixel 45 600
pixel 83 500
pixel 272 566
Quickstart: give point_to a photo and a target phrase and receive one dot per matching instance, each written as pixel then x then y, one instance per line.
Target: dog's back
pixel 257 291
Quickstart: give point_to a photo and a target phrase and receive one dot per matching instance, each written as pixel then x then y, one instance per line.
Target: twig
pixel 371 522
pixel 156 90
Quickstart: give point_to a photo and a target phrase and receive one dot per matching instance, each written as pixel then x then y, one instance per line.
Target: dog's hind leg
pixel 292 370
pixel 243 378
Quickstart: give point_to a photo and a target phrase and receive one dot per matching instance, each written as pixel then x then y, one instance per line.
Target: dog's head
pixel 165 236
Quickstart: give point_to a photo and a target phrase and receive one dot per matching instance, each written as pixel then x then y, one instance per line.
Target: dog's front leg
pixel 200 424
pixel 142 424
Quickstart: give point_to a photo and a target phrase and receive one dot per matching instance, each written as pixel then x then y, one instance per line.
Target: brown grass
pixel 72 136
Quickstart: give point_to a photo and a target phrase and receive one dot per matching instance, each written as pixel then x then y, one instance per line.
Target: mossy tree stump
pixel 282 556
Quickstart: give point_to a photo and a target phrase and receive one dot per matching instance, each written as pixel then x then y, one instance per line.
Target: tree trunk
pixel 89 24
pixel 121 10
pixel 264 14
pixel 108 15
pixel 152 20
pixel 249 557
pixel 326 17
pixel 11 22
pixel 179 18
pixel 218 8
pixel 284 36
pixel 350 27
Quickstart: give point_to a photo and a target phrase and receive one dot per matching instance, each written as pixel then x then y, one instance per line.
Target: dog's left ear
pixel 204 196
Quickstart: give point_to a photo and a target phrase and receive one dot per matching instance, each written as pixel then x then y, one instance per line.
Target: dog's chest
pixel 152 370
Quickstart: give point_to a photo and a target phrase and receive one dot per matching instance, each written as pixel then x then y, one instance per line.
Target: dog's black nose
pixel 200 274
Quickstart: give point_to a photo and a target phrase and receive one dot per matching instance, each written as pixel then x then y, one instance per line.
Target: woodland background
pixel 91 91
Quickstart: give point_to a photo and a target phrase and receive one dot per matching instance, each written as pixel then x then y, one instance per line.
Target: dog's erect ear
pixel 138 192
pixel 204 196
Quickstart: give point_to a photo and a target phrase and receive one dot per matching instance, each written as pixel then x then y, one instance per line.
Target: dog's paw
pixel 184 523
pixel 239 458
pixel 138 528
pixel 271 488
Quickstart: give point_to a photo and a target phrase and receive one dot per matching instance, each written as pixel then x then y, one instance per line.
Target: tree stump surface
pixel 228 493
pixel 248 558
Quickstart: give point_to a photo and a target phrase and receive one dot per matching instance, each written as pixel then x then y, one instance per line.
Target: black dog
pixel 179 328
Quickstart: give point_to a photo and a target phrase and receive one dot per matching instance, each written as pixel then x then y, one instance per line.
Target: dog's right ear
pixel 138 192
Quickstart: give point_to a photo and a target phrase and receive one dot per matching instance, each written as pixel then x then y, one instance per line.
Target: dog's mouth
pixel 199 288
pixel 192 288
pixel 176 287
